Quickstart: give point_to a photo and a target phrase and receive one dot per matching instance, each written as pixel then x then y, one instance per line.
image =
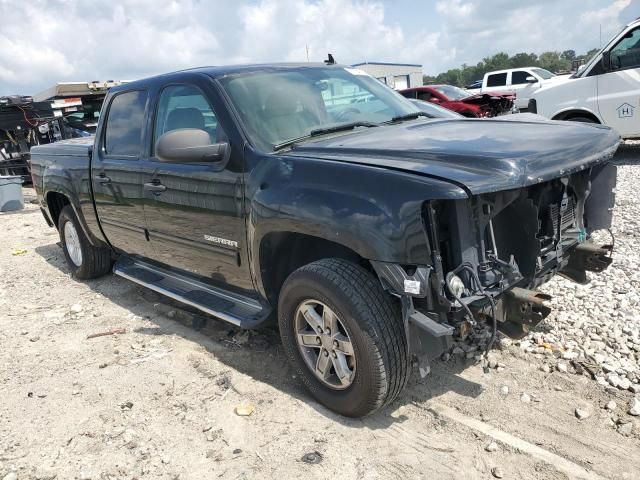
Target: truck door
pixel 194 211
pixel 496 82
pixel 522 88
pixel 115 172
pixel 619 87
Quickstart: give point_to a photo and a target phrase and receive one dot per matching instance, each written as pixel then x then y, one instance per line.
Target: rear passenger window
pixel 123 134
pixel 497 80
pixel 519 77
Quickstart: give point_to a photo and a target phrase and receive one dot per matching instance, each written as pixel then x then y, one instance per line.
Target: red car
pixel 460 101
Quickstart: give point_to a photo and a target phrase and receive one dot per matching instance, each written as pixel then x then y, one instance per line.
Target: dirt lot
pixel 158 400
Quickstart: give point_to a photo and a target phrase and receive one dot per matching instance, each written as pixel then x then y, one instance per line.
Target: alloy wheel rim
pixel 325 344
pixel 72 243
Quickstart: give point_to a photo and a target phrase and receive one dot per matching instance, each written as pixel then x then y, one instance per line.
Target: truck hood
pixel 478 155
pixel 558 78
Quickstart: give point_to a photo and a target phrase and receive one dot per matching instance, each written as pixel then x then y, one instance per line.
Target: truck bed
pixel 60 171
pixel 74 147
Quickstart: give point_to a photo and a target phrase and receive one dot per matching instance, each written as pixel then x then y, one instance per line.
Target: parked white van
pixel 521 81
pixel 606 90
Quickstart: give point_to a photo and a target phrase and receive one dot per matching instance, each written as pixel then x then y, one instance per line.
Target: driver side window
pixel 184 106
pixel 626 54
pixel 519 77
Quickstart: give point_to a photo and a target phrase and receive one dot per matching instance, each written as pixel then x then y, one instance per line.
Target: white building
pixel 396 75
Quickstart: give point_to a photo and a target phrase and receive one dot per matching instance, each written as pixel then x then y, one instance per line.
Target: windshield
pixel 278 106
pixel 542 73
pixel 451 92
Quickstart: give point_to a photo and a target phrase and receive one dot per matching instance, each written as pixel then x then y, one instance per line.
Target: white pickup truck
pixel 521 81
pixel 606 90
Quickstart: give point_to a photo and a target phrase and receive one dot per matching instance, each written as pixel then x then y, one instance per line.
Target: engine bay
pixel 491 251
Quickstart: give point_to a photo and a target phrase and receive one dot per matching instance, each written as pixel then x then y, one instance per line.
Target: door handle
pixel 154 187
pixel 102 178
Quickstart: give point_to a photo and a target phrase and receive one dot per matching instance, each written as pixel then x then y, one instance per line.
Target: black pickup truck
pixel 316 195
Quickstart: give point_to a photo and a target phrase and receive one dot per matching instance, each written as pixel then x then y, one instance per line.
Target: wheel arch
pixel 283 252
pixel 576 112
pixel 56 199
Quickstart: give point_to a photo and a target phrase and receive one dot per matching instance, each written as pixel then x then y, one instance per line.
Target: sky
pixel 43 42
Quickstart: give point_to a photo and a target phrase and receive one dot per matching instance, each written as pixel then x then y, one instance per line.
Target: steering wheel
pixel 346 113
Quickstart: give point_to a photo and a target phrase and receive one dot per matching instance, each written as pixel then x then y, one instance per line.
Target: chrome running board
pixel 231 307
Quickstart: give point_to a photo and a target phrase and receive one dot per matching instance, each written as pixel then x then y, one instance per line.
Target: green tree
pixel 552 61
pixel 498 61
pixel 524 60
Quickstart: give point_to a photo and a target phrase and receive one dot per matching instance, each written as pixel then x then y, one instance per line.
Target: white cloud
pixel 609 13
pixel 476 29
pixel 46 41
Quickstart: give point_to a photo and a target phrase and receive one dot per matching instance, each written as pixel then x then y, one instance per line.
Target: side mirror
pixel 531 79
pixel 188 145
pixel 434 100
pixel 581 68
pixel 606 61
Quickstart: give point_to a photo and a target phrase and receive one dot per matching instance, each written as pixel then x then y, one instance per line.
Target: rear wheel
pixel 344 336
pixel 84 260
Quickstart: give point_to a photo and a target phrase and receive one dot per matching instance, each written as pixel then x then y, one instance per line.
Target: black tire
pixel 581 119
pixel 373 322
pixel 96 261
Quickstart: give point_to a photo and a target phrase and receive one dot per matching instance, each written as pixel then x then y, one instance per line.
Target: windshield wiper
pixel 408 116
pixel 341 127
pixel 323 131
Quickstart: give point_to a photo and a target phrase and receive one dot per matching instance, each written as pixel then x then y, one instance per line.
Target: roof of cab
pixel 220 71
pixel 507 70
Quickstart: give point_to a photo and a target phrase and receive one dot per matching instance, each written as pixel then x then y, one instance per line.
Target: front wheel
pixel 344 336
pixel 84 260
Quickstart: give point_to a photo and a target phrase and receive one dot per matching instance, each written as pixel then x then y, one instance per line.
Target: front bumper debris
pixel 520 310
pixel 587 257
pixel 429 336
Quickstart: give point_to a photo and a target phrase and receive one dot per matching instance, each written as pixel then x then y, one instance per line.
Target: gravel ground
pixel 161 399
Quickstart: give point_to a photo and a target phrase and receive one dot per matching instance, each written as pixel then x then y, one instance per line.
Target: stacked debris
pixel 23 124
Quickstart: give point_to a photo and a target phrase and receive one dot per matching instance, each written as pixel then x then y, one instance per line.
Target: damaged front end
pixel 491 251
pixel 492 105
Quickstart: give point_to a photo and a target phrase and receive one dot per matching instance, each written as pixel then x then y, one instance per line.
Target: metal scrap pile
pixel 23 124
